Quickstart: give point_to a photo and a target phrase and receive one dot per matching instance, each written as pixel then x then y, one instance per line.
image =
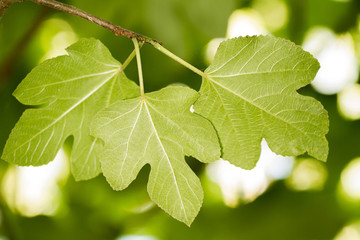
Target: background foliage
pixel 310 200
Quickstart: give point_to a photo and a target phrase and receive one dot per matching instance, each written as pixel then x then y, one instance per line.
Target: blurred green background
pixel 282 198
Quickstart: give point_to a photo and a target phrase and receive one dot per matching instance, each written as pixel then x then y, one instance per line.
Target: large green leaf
pixel 158 129
pixel 68 90
pixel 249 93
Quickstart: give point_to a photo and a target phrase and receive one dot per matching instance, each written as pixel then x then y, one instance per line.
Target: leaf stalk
pixel 138 59
pixel 178 59
pixel 129 59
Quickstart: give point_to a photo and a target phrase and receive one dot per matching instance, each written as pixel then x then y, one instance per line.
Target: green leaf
pixel 158 129
pixel 68 90
pixel 249 93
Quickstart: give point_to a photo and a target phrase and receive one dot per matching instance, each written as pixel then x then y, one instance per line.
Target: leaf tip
pixel 188 223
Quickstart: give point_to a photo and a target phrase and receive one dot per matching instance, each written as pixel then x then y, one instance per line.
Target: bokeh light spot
pixel 211 48
pixel 349 232
pixel 56 36
pixel 245 22
pixel 34 190
pixel 273 12
pixel 244 186
pixel 336 54
pixel 308 174
pixel 350 180
pixel 137 237
pixel 349 102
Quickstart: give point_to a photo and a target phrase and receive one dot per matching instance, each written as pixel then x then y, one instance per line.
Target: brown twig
pixel 7 67
pixel 117 30
pixel 4 5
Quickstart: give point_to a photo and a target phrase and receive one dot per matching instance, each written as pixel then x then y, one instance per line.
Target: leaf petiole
pixel 138 59
pixel 178 59
pixel 129 58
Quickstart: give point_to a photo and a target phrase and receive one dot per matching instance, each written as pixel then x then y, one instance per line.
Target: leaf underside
pixel 249 93
pixel 68 90
pixel 159 130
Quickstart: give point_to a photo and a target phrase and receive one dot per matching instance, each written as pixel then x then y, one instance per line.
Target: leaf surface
pixel 68 91
pixel 249 93
pixel 159 130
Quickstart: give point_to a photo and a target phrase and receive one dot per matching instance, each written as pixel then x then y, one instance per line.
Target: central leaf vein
pixel 168 160
pixel 68 110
